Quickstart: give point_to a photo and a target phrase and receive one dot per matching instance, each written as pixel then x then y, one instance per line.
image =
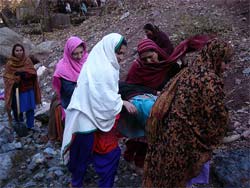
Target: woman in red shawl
pixel 145 78
pixel 188 120
pixel 20 73
pixel 159 37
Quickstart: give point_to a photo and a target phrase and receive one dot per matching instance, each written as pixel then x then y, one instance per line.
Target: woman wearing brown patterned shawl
pixel 188 120
pixel 20 72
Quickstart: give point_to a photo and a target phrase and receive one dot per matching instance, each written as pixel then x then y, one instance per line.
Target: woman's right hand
pixel 130 107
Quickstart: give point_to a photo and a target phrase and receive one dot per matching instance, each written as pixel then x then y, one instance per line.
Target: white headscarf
pixel 95 101
pixel 96 94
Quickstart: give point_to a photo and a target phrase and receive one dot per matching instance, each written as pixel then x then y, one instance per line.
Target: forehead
pixel 77 49
pixel 18 48
pixel 147 30
pixel 147 54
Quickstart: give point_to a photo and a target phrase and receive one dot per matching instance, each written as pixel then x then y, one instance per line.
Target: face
pixel 18 52
pixel 149 57
pixel 148 33
pixel 120 54
pixel 77 54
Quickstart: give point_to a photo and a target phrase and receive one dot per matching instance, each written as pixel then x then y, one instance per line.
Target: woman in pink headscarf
pixel 64 82
pixel 68 69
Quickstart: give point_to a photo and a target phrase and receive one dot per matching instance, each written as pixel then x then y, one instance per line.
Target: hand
pixel 130 107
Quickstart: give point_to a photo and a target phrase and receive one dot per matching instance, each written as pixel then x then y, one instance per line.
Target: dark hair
pixel 119 45
pixel 14 48
pixel 151 27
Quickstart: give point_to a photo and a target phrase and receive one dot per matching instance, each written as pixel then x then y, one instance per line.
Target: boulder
pixel 232 168
pixel 9 38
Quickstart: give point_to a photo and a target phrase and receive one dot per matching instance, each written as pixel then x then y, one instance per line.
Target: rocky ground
pixel 33 161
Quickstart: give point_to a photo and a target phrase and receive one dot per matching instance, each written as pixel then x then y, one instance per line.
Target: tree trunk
pixel 45 21
pixel 6 21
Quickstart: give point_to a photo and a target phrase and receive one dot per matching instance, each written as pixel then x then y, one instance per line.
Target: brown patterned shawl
pixel 55 125
pixel 12 66
pixel 188 121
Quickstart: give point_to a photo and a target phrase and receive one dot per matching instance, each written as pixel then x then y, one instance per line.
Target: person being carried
pixel 20 74
pixel 89 134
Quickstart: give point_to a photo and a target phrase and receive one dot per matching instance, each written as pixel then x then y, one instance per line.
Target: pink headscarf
pixel 67 67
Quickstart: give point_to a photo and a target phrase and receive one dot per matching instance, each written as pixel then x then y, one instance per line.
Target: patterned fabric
pixel 188 120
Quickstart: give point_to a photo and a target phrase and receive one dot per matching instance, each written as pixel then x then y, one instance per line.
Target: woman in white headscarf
pixel 91 116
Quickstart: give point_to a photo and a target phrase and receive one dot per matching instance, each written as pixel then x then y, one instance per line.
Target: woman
pixel 92 113
pixel 159 37
pixel 64 81
pixel 146 78
pixel 188 120
pixel 68 69
pixel 20 74
pixel 156 75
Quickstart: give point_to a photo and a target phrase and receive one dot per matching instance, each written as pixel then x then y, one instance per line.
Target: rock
pixel 231 138
pixel 237 81
pixel 125 15
pixel 11 146
pixel 39 176
pixel 30 184
pixel 5 135
pixel 41 70
pixel 43 114
pixel 246 71
pixel 231 173
pixel 9 38
pixel 52 65
pixel 54 168
pixel 246 134
pixel 48 90
pixel 6 165
pixel 37 159
pixel 45 47
pixel 50 151
pixel 59 173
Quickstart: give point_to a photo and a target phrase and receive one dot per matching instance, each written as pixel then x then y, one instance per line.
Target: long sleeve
pixel 67 89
